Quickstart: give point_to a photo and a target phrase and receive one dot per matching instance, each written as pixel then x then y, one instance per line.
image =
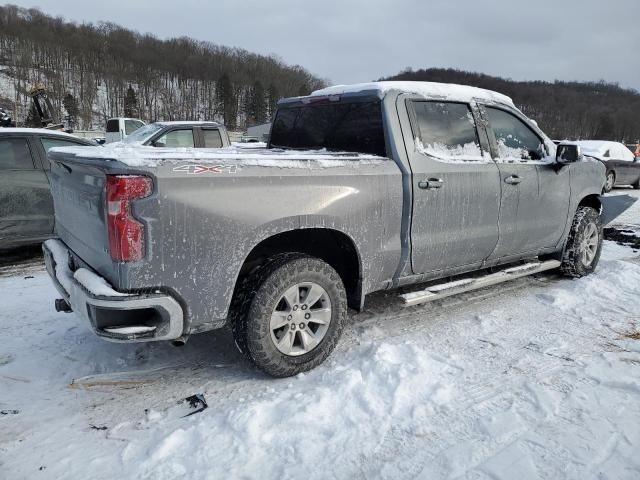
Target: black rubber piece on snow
pixel 197 402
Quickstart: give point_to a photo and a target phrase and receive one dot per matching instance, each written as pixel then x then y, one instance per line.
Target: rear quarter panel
pixel 202 227
pixel 586 178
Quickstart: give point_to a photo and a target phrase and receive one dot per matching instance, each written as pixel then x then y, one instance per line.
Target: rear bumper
pixel 113 315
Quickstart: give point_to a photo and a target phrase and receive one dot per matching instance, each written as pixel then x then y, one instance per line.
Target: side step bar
pixel 443 290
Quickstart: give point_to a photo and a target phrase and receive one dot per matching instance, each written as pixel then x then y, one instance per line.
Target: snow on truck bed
pixel 142 156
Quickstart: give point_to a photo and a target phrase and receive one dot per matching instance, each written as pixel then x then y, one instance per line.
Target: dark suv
pixel 26 206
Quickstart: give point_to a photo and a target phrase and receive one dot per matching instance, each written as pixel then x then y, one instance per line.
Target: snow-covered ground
pixel 538 378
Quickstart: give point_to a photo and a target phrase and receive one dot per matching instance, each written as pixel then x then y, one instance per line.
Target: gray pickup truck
pixel 362 188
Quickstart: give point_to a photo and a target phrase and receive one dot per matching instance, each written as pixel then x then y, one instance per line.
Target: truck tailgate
pixel 78 189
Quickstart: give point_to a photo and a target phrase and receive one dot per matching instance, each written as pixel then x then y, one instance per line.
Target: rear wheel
pixel 636 185
pixel 290 314
pixel 610 181
pixel 582 251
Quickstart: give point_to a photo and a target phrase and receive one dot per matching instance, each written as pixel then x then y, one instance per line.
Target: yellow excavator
pixel 45 110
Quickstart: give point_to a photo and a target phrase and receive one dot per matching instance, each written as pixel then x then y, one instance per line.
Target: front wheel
pixel 291 314
pixel 610 181
pixel 584 245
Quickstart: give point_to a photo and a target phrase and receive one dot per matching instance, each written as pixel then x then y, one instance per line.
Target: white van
pixel 120 128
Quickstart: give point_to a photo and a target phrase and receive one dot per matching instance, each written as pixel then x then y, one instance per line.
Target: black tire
pixel 573 260
pixel 609 184
pixel 636 186
pixel 259 295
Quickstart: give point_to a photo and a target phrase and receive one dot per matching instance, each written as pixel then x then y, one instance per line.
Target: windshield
pixel 142 134
pixel 343 127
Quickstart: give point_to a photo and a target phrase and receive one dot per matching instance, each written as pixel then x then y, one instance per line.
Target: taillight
pixel 126 234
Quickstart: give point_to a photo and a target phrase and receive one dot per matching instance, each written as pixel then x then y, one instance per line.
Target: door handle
pixel 430 184
pixel 513 180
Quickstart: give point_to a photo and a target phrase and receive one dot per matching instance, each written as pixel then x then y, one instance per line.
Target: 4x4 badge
pixel 199 169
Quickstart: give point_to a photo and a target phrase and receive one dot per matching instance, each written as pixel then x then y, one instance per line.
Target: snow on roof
pixel 598 148
pixel 188 122
pixel 442 91
pixel 42 131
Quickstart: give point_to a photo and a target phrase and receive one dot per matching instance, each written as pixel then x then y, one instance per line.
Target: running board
pixel 443 290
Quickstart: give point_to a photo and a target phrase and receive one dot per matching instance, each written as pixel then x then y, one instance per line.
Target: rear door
pixel 210 138
pixel 26 210
pixel 456 187
pixel 535 195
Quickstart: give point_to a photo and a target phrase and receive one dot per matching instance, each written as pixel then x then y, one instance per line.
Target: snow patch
pixel 61 259
pixel 95 284
pixel 129 330
pixel 142 156
pixel 431 90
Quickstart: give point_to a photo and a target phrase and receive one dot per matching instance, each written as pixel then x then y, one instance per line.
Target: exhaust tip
pixel 62 305
pixel 180 341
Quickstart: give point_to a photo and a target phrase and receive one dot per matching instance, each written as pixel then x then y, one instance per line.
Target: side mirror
pixel 568 153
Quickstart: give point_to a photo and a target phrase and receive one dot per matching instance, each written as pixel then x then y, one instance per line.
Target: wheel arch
pixel 592 200
pixel 333 246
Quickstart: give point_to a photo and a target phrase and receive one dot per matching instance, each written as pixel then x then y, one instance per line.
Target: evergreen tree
pixel 71 106
pixel 258 107
pixel 131 103
pixel 226 101
pixel 304 90
pixel 272 100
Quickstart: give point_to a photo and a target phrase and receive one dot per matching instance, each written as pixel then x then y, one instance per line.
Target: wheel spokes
pixel 294 326
pixel 321 316
pixel 279 320
pixel 314 293
pixel 292 296
pixel 285 343
pixel 309 339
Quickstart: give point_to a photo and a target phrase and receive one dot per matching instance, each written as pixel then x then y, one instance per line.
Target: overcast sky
pixel 347 41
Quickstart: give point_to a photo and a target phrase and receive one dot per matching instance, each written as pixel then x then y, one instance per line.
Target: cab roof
pixel 430 90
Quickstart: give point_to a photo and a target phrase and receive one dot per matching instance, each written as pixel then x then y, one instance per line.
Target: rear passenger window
pixel 447 131
pixel 15 154
pixel 113 126
pixel 212 138
pixel 516 141
pixel 176 138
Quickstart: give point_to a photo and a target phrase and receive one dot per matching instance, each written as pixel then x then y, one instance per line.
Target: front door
pixel 456 187
pixel 535 195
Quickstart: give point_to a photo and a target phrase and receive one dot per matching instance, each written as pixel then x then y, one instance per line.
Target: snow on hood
pixel 441 91
pixel 143 156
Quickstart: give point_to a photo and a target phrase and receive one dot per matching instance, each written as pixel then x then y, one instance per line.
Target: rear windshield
pixel 143 134
pixel 113 126
pixel 339 127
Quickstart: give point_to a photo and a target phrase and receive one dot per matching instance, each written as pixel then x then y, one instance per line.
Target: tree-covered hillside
pixel 571 110
pixel 93 66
